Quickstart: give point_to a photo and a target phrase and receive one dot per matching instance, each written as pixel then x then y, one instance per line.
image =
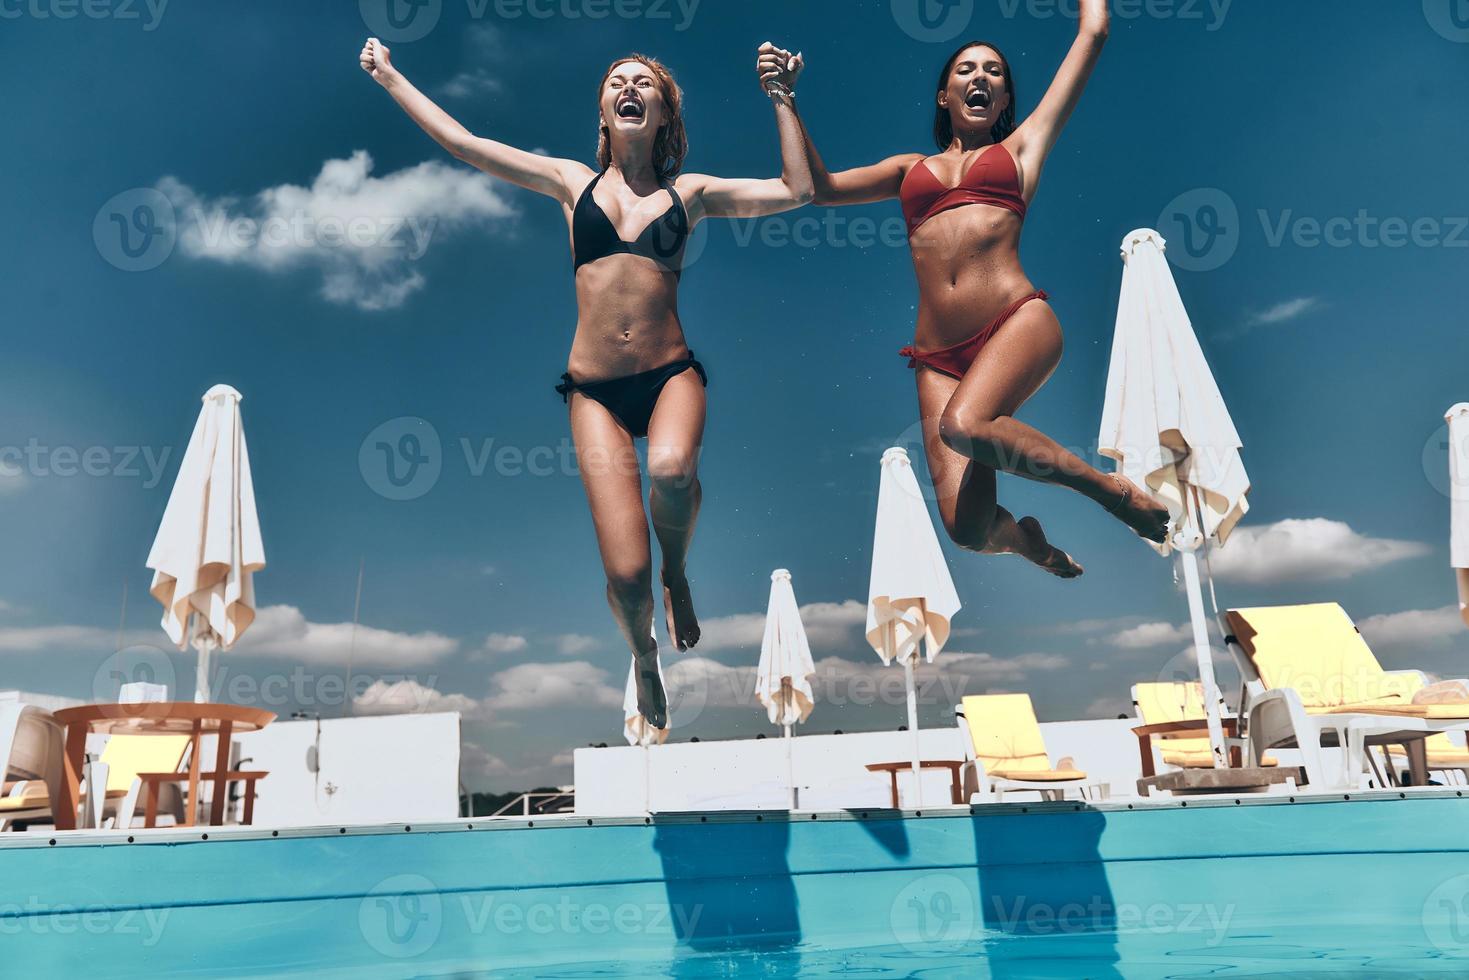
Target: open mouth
pixel 630 106
pixel 979 99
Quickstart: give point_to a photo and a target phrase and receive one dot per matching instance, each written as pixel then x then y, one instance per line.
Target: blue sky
pixel 1243 131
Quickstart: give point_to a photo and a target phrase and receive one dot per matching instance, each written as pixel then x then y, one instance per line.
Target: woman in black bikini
pixel 630 373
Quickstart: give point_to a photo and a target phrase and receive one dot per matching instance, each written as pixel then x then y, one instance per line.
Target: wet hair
pixel 943 124
pixel 672 143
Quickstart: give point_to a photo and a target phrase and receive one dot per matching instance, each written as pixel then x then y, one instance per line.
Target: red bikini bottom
pixel 955 360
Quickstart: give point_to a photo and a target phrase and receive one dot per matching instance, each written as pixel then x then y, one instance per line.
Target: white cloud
pixel 38 639
pixel 476 762
pixel 1306 550
pixel 1083 626
pixel 529 687
pixel 407 696
pixel 363 234
pixel 1284 312
pixel 499 643
pixel 1413 628
pixel 841 682
pixel 828 624
pixel 471 83
pixel 1147 635
pixel 1108 707
pixel 283 632
pixel 573 644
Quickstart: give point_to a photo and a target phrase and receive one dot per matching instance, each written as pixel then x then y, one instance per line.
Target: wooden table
pixel 956 786
pixel 1191 726
pixel 157 718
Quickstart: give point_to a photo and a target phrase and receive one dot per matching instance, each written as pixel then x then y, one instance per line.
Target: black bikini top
pixel 593 237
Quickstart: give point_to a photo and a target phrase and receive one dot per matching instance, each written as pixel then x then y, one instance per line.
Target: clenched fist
pixel 376 60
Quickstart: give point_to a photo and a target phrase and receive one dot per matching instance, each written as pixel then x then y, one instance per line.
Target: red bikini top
pixel 992 179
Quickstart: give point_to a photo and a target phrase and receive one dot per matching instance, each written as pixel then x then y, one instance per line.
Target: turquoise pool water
pixel 1377 885
pixel 1380 952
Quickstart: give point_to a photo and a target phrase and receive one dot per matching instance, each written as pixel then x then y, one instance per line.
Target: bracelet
pixel 777 88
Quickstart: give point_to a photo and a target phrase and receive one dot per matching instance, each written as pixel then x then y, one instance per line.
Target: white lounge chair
pixel 31 754
pixel 1311 682
pixel 1176 703
pixel 1004 751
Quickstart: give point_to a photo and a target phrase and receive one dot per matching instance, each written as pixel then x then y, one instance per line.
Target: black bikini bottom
pixel 631 399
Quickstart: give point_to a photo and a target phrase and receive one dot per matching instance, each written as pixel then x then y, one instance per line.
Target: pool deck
pixel 502 893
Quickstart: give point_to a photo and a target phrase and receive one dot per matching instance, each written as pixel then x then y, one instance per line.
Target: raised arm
pixel 551 176
pixel 723 197
pixel 861 185
pixel 1033 140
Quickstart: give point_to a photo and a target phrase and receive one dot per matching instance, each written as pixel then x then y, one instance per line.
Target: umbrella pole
pixel 790 768
pixel 647 778
pixel 203 645
pixel 913 725
pixel 1190 562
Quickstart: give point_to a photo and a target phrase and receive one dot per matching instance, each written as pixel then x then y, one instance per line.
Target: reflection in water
pixel 729 886
pixel 1374 952
pixel 1043 877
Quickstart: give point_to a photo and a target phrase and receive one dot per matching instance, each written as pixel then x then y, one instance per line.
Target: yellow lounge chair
pixel 1444 755
pixel 1165 702
pixel 1004 750
pixel 1311 682
pixel 122 760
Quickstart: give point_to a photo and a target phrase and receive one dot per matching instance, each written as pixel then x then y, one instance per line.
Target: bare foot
pixel 1043 554
pixel 652 700
pixel 678 604
pixel 1140 510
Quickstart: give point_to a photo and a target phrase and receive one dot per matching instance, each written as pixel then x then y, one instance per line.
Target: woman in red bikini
pixel 986 338
pixel 630 373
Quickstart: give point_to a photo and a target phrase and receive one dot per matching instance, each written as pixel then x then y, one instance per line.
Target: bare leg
pixel 979 421
pixel 674 437
pixel 966 493
pixel 614 486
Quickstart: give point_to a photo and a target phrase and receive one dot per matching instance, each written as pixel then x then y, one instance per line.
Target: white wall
pixel 830 769
pixel 383 769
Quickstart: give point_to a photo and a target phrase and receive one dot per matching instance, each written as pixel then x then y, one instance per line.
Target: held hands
pixel 376 61
pixel 778 69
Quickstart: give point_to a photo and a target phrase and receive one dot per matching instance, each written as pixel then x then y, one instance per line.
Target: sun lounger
pixel 1312 682
pixel 1164 703
pixel 1004 750
pixel 30 762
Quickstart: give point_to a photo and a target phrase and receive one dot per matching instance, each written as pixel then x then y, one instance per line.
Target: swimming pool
pixel 1303 885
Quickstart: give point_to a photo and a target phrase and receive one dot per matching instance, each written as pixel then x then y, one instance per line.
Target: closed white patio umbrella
pixel 1458 419
pixel 1165 423
pixel 208 546
pixel 783 680
pixel 910 595
pixel 635 728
